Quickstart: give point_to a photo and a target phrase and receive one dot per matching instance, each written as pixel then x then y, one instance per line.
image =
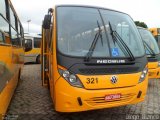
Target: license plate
pixel 112 97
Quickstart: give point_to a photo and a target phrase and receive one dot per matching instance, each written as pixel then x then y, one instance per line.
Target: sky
pixel 140 10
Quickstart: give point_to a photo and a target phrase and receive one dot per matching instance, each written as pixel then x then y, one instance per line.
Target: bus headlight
pixel 66 74
pixel 143 75
pixel 158 63
pixel 70 78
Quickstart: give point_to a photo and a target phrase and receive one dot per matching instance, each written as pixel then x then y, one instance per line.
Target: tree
pixel 141 24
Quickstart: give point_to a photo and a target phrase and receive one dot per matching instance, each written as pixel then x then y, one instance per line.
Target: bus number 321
pixel 92 81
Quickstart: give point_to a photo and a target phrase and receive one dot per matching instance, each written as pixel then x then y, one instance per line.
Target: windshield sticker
pixel 115 52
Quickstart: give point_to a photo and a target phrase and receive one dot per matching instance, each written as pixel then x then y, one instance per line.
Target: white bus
pixel 34 54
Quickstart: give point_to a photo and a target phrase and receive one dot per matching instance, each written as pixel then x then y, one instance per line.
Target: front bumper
pixel 72 99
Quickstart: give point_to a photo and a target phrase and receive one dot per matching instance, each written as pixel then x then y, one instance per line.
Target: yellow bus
pixel 152 51
pixel 34 54
pixel 156 34
pixel 11 52
pixel 91 60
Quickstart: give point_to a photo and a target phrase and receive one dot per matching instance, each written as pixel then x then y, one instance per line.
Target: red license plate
pixel 112 97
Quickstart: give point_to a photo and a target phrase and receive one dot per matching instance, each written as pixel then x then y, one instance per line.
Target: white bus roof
pixel 31 35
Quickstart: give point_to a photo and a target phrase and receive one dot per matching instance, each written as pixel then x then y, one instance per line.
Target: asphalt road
pixel 31 101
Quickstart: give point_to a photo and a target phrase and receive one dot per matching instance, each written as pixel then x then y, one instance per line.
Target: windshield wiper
pixel 149 49
pixel 93 45
pixel 117 38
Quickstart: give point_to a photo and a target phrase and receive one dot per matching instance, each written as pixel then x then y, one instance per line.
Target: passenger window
pixel 15 39
pixel 12 19
pixel 3 8
pixel 4 26
pixel 21 31
pixel 19 28
pixel 37 42
pixel 28 42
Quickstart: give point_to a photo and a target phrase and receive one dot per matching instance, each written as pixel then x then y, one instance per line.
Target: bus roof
pixel 141 28
pixel 31 35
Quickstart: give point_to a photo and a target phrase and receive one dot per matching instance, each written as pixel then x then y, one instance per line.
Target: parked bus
pixel 11 52
pixel 89 61
pixel 34 54
pixel 152 51
pixel 156 34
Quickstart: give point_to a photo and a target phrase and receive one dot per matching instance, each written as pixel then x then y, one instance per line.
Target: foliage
pixel 141 24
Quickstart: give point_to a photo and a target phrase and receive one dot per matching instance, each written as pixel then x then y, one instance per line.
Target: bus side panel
pixel 7 79
pixel 7 93
pixel 18 57
pixel 11 62
pixel 31 56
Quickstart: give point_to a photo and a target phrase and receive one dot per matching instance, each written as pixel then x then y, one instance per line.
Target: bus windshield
pixel 158 40
pixel 77 29
pixel 150 41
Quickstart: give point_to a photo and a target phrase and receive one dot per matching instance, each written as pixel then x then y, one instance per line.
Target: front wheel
pixel 19 74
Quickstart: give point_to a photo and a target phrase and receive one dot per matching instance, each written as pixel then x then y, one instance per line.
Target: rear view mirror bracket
pixel 47 19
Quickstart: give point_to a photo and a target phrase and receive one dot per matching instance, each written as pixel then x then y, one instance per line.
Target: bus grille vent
pixel 94 71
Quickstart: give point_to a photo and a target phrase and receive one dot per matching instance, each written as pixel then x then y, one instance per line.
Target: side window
pixel 19 28
pixel 14 37
pixel 37 42
pixel 20 36
pixel 28 41
pixel 16 24
pixel 21 31
pixel 3 8
pixel 1 37
pixel 4 26
pixel 12 18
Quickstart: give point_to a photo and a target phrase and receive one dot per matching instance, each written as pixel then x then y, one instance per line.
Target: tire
pixel 38 59
pixel 19 74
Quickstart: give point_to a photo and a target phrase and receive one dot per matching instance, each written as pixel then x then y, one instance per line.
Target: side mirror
pixel 28 45
pixel 47 21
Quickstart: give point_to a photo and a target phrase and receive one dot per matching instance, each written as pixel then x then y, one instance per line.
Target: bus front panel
pixel 98 59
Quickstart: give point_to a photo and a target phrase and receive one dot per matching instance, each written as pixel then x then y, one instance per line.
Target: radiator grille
pixel 101 100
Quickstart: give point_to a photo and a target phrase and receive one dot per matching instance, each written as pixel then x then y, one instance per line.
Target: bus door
pixel 44 63
pixel 46 50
